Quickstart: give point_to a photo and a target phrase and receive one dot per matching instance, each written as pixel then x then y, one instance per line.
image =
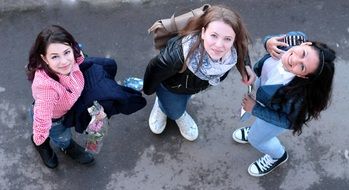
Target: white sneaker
pixel 187 127
pixel 157 119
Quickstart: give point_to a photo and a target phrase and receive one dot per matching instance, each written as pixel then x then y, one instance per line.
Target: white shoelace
pixel 265 162
pixel 246 131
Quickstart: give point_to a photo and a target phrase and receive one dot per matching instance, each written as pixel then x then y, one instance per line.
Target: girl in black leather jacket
pixel 200 56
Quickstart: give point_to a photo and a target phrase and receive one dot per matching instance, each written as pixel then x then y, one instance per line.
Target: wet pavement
pixel 134 158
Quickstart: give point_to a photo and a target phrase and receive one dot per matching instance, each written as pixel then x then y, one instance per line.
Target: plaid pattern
pixel 53 99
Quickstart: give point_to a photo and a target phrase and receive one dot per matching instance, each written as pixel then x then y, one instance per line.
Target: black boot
pixel 78 153
pixel 48 156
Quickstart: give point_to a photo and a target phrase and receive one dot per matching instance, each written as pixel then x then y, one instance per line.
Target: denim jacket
pixel 281 115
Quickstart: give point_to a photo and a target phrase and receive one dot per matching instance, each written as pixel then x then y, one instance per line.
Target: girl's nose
pixel 219 43
pixel 64 59
pixel 295 60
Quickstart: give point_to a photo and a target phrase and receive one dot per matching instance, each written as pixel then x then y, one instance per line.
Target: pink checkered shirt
pixel 54 99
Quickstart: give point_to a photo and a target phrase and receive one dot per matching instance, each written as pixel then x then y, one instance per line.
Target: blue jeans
pixel 59 134
pixel 263 137
pixel 172 104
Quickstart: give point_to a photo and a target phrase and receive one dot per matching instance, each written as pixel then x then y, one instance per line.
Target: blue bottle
pixel 80 47
pixel 134 83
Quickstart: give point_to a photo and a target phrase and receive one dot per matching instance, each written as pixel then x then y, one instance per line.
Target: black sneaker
pixel 78 153
pixel 266 164
pixel 240 135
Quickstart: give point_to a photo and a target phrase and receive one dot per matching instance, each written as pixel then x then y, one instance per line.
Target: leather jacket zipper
pixel 176 86
pixel 186 81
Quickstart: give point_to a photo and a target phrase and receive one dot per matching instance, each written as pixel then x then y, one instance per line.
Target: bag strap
pixel 174 23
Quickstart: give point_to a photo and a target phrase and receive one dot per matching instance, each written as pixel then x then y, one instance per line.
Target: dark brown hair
pixel 49 35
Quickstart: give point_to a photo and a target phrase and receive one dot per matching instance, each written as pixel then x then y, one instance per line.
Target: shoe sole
pixel 260 175
pixel 189 138
pixel 156 132
pixel 91 163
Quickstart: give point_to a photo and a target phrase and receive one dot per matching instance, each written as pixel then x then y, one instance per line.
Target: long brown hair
pixel 49 35
pixel 228 16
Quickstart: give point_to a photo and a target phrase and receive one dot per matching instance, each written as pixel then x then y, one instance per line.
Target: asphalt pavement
pixel 132 157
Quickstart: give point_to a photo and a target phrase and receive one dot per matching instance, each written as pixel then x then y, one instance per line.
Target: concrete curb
pixel 23 5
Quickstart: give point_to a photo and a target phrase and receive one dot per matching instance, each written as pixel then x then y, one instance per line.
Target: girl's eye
pixel 303 54
pixel 302 67
pixel 67 52
pixel 54 57
pixel 228 39
pixel 214 35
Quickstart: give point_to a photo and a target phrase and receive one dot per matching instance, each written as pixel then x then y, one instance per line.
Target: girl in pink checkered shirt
pixel 57 83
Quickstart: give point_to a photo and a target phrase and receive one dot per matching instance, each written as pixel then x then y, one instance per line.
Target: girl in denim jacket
pixel 293 87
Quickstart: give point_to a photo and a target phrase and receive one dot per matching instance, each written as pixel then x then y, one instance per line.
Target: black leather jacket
pixel 165 68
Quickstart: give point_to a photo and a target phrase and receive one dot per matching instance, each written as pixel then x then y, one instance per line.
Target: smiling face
pixel 301 60
pixel 218 39
pixel 60 58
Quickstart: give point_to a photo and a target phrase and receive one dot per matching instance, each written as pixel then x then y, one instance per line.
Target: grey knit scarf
pixel 210 70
